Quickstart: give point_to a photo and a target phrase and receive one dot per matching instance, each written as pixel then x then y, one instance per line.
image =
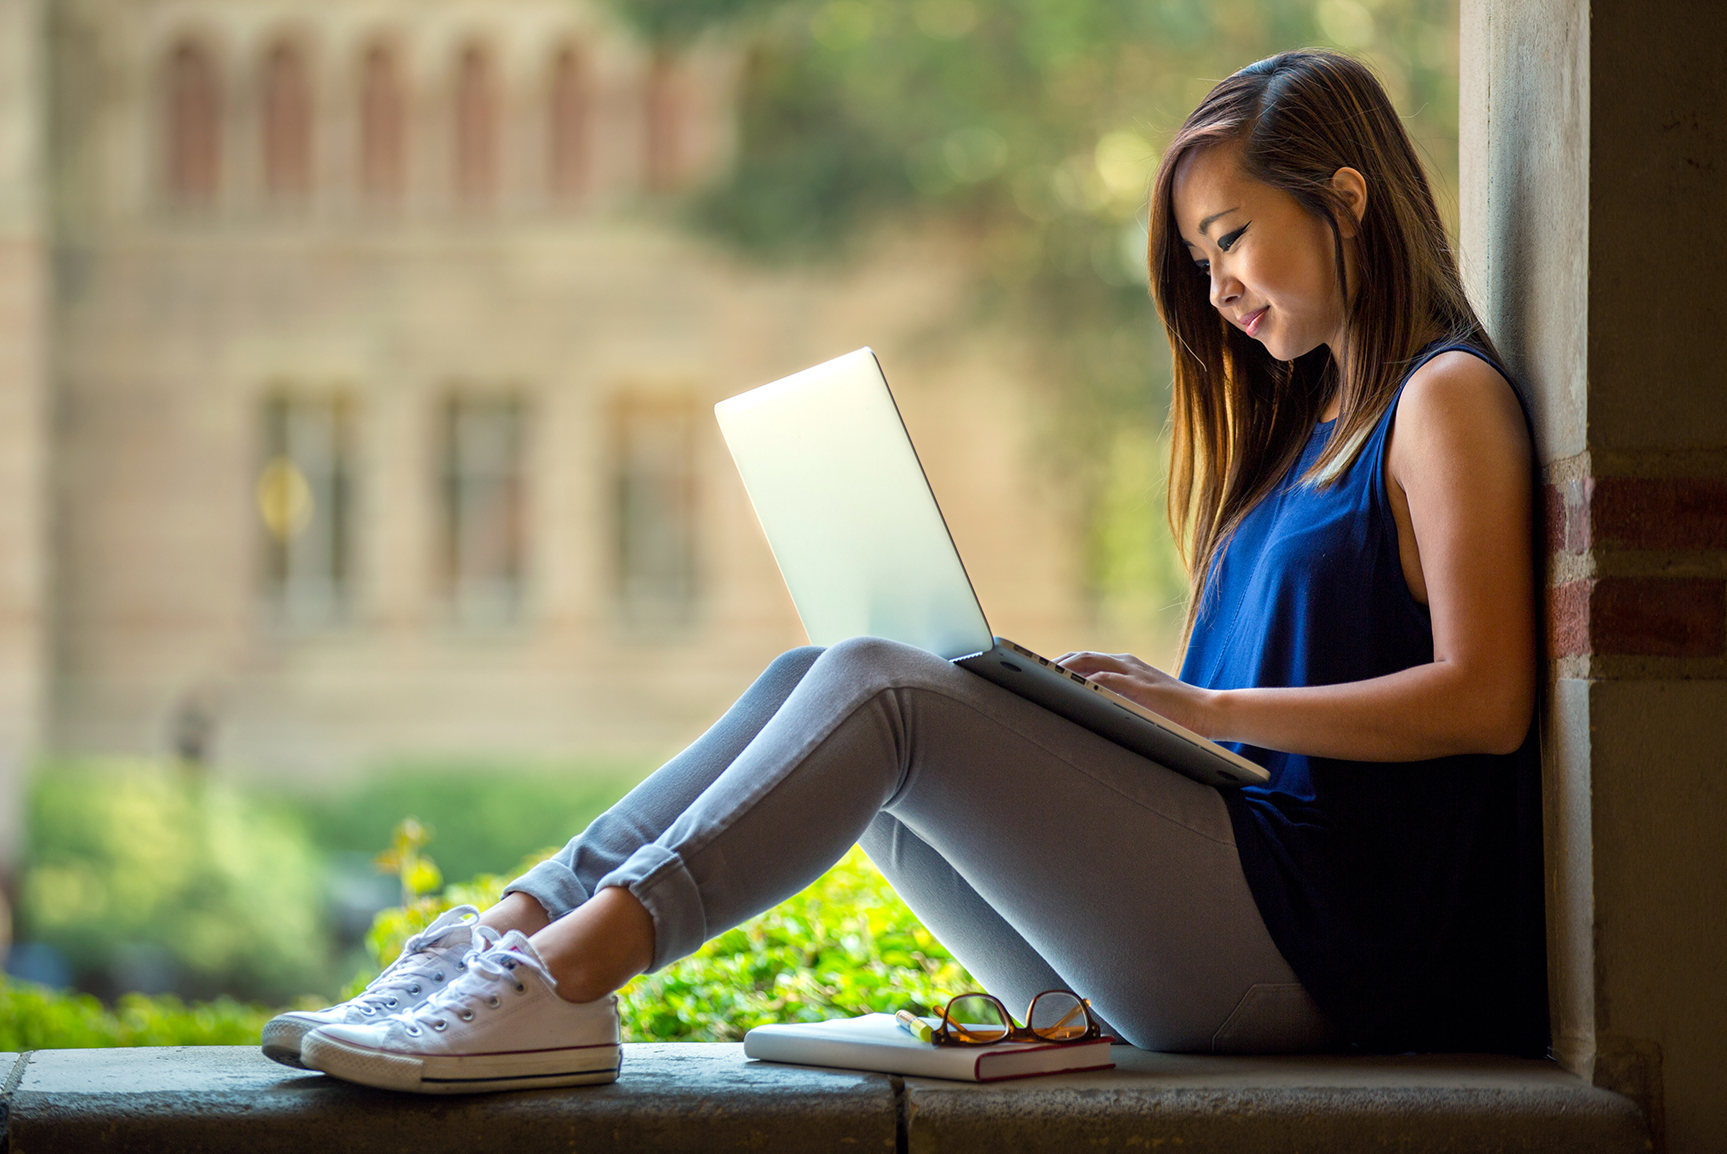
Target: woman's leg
pixel 571 876
pixel 985 944
pixel 1122 875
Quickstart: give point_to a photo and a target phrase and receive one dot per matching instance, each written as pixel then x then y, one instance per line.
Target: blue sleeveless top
pixel 1406 896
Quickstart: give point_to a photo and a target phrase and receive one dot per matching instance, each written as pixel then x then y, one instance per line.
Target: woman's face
pixel 1271 264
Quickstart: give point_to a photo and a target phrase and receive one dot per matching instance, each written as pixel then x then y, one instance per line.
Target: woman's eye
pixel 1203 267
pixel 1226 242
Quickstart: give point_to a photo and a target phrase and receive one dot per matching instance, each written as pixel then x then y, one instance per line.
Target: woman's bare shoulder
pixel 1457 402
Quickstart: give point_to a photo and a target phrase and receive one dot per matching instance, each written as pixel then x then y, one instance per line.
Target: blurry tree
pixel 1029 129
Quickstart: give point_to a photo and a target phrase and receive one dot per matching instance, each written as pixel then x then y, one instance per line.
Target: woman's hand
pixel 1184 704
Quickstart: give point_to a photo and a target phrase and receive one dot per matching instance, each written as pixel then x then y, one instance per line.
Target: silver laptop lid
pixel 848 511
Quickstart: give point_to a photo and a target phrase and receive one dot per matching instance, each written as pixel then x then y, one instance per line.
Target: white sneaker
pixel 500 1026
pixel 430 960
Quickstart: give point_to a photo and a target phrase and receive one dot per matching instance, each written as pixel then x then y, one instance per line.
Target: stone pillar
pixel 1594 238
pixel 23 375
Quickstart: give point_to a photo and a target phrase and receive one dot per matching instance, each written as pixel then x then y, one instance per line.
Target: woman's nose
pixel 1225 289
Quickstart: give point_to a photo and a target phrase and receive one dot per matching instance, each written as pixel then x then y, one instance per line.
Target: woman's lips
pixel 1250 322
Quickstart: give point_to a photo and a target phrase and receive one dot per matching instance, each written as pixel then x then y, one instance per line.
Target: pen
pixel 915 1026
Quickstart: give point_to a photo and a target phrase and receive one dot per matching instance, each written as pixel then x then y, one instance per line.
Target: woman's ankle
pixel 598 946
pixel 517 911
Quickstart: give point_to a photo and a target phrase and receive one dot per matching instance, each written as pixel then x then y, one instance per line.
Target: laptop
pixel 865 551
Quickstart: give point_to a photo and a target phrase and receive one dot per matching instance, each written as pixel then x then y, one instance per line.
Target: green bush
pixel 220 889
pixel 33 1018
pixel 485 814
pixel 845 945
pixel 135 854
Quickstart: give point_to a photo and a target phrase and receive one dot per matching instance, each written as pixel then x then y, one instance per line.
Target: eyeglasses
pixel 981 1020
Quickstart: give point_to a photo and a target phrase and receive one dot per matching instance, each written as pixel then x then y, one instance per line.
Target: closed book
pixel 877 1042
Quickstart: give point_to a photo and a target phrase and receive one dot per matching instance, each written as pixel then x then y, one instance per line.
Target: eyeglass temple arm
pixel 1079 1007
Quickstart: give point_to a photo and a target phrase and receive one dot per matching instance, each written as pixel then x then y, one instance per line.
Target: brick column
pixel 23 371
pixel 1639 572
pixel 1594 171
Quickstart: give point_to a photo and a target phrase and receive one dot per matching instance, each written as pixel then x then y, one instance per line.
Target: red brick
pixel 1640 513
pixel 1657 616
pixel 1568 619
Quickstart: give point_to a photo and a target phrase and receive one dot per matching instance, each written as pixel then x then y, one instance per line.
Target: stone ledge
pixel 708 1097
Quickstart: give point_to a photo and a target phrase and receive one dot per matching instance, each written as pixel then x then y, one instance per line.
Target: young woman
pixel 1351 476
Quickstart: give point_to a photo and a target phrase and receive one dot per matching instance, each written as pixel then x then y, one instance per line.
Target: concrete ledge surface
pixel 709 1097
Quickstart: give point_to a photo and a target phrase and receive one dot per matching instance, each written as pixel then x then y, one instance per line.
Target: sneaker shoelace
pixel 490 967
pixel 408 973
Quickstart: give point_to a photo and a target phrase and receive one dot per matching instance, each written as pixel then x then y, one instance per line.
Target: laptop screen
pixel 848 511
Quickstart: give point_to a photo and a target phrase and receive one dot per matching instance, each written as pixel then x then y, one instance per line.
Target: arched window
pixel 192 98
pixel 567 124
pixel 663 143
pixel 287 124
pixel 476 125
pixel 383 126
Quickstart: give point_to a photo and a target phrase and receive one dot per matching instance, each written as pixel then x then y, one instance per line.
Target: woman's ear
pixel 1350 187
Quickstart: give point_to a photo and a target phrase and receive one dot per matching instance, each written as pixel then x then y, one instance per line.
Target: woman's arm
pixel 1458 475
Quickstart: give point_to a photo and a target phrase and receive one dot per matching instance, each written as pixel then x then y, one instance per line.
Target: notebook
pixel 878 1043
pixel 864 550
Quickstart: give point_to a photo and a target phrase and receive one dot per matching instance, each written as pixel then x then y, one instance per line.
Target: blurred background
pixel 357 360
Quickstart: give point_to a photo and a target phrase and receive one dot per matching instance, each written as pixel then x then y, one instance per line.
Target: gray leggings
pixel 1039 853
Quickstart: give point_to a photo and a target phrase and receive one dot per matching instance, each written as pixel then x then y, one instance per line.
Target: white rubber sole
pixel 468 1074
pixel 282 1038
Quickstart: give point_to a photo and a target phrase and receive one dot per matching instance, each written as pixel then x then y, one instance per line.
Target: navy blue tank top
pixel 1406 896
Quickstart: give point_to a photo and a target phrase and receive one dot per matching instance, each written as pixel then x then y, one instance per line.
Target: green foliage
pixel 1028 129
pixel 418 873
pixel 32 1018
pixel 217 889
pixel 483 814
pixel 845 945
pixel 136 854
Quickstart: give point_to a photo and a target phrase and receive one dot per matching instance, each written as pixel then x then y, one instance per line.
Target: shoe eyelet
pixel 494 1001
pixel 466 1015
pixel 440 1025
pixel 367 1010
pixel 521 989
pixel 461 965
pixel 391 1003
pixel 438 977
pixel 412 1031
pixel 414 989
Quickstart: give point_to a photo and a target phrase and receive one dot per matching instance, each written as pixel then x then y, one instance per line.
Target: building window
pixel 193 114
pixel 383 127
pixel 305 501
pixel 484 507
pixel 655 493
pixel 287 125
pixel 663 142
pixel 567 123
pixel 476 128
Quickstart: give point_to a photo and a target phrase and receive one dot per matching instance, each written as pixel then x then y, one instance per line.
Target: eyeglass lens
pixel 974 1018
pixel 1058 1016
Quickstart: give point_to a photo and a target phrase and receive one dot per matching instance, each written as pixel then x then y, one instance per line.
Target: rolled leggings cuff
pixel 659 879
pixel 554 885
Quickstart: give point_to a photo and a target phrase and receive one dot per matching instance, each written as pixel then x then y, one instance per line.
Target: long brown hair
pixel 1239 417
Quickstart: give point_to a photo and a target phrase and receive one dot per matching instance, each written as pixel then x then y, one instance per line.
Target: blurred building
pixel 368 413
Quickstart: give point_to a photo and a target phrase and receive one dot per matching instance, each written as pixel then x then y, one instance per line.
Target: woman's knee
pixel 890 660
pixel 795 661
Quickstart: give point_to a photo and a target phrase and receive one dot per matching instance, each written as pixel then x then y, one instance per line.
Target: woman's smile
pixel 1250 322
